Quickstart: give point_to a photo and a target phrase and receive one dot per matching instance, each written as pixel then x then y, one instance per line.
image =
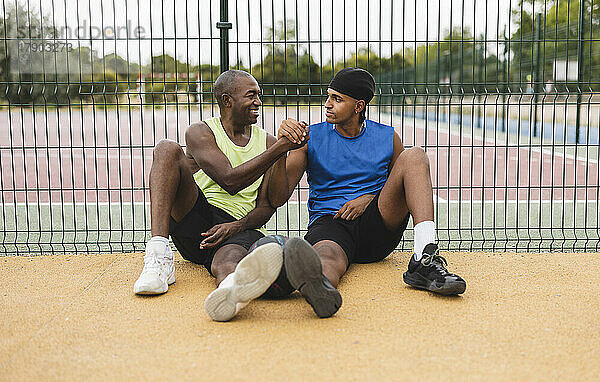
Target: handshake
pixel 294 133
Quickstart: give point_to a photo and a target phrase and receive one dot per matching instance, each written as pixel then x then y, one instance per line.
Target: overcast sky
pixel 187 29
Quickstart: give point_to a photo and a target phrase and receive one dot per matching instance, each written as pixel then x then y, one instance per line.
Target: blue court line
pixel 545 130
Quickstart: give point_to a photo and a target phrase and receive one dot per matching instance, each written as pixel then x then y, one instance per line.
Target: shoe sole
pixel 145 290
pixel 305 273
pixel 253 275
pixel 451 288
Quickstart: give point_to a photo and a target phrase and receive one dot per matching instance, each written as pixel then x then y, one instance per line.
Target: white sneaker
pixel 253 275
pixel 159 269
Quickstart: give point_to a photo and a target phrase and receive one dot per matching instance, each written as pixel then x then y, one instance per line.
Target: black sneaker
pixel 430 273
pixel 305 273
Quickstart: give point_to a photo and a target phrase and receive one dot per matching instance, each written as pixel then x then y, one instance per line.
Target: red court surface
pixel 87 156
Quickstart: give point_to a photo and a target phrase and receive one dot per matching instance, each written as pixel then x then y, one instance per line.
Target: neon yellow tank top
pixel 240 204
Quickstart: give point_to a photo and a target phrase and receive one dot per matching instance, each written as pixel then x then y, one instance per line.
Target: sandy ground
pixel 523 317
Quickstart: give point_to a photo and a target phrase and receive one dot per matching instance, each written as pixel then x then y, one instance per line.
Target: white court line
pixel 77 204
pixel 40 153
pixel 438 198
pixel 295 202
pixel 476 202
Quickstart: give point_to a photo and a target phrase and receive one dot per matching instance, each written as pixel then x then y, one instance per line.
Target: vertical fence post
pixel 537 80
pixel 224 25
pixel 504 83
pixel 479 52
pixel 579 69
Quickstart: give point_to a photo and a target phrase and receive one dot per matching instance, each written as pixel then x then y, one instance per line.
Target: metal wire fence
pixel 503 96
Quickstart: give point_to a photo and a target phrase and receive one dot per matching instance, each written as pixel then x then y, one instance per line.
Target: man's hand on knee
pixel 219 233
pixel 354 208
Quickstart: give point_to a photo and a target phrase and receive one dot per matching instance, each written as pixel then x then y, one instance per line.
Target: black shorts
pixel 187 234
pixel 364 239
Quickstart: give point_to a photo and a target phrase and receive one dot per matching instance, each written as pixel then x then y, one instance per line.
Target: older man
pixel 212 200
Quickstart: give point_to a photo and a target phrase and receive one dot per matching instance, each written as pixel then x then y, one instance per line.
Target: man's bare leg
pixel 334 260
pixel 173 192
pixel 408 190
pixel 225 260
pixel 308 271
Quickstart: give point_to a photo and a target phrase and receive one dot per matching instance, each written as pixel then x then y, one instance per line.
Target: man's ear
pixel 226 100
pixel 360 106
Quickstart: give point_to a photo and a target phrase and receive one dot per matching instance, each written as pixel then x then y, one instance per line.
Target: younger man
pixel 363 187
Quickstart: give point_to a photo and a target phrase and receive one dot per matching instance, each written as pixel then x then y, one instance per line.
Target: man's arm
pixel 263 211
pixel 288 170
pixel 202 148
pixel 256 218
pixel 398 147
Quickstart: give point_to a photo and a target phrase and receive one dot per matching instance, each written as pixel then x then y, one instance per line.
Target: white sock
pixel 159 239
pixel 424 234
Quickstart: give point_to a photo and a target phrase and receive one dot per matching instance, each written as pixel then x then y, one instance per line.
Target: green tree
pixel 456 57
pixel 559 38
pixel 121 67
pixel 21 70
pixel 366 59
pixel 285 74
pixel 165 64
pixel 34 70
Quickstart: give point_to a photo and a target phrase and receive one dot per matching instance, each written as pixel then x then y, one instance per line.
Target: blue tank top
pixel 340 169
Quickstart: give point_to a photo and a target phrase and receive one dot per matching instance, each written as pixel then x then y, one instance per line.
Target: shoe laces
pixel 152 261
pixel 434 259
